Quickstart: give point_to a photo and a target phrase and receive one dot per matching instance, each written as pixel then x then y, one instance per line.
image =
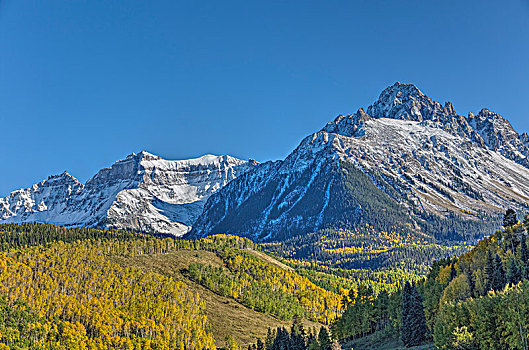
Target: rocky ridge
pixel 141 192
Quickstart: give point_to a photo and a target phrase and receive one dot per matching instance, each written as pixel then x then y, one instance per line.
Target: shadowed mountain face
pixel 406 164
pixel 141 192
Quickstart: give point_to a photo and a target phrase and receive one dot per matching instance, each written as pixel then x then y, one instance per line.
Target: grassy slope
pixel 225 315
pixel 270 260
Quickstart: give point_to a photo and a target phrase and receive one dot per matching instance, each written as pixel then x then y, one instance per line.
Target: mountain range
pixel 142 192
pixel 406 163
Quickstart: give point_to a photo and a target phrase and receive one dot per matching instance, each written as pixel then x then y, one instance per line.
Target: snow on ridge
pixel 406 102
pixel 142 192
pixel 402 150
pixel 440 165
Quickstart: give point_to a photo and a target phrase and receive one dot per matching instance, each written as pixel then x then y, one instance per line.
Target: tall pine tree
pixel 524 257
pixel 414 329
pixel 406 332
pixel 489 272
pixel 470 278
pixel 498 280
pixel 324 338
pixel 282 340
pixel 419 328
pixel 510 219
pixel 513 272
pixel 269 340
pixel 453 272
pixel 297 335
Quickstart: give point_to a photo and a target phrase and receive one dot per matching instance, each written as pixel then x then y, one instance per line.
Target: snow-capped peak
pixel 492 127
pixel 407 102
pixel 402 101
pixel 499 135
pixel 64 176
pixel 419 153
pixel 142 192
pixel 487 129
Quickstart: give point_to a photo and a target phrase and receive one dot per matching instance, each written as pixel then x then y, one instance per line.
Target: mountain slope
pixel 226 316
pixel 477 300
pixel 422 160
pixel 141 192
pixel 162 261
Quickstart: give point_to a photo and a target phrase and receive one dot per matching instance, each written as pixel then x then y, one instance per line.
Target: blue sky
pixel 84 83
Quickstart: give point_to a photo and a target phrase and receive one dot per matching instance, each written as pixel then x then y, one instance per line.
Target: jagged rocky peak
pixel 499 135
pixel 62 177
pixel 449 107
pixel 141 192
pixel 407 102
pixel 493 128
pixel 63 181
pixel 144 155
pixel 350 125
pixel 125 169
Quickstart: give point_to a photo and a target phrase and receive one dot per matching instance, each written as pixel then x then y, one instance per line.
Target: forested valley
pixel 83 288
pixel 478 300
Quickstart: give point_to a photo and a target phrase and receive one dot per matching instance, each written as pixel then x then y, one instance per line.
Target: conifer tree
pixel 498 281
pixel 282 340
pixel 453 272
pixel 419 328
pixel 312 342
pixel 297 334
pixel 465 267
pixel 509 219
pixel 406 314
pixel 524 257
pixel 513 272
pixel 324 338
pixel 269 340
pixel 510 239
pixel 489 271
pixel 414 327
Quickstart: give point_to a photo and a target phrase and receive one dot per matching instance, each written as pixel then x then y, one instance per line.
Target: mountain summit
pixel 407 102
pixel 141 192
pixel 409 164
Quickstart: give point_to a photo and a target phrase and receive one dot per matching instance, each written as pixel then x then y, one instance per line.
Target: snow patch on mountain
pixel 141 192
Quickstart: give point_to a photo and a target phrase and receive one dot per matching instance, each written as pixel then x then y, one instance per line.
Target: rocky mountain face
pixel 408 163
pixel 141 192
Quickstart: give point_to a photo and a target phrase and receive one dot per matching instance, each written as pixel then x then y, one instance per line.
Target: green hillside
pixel 478 300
